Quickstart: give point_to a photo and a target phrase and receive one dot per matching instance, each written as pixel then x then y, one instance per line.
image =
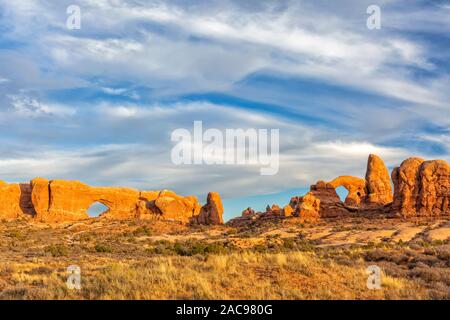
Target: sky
pixel 99 103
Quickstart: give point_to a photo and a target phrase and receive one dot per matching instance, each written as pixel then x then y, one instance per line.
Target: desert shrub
pixel 23 293
pixel 231 232
pixel 141 231
pixel 426 273
pixel 57 250
pixel 103 248
pixel 41 271
pixel 16 234
pixel 6 270
pixel 443 253
pixel 86 237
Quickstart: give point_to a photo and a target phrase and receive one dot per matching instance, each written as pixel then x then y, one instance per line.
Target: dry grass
pixel 294 275
pixel 156 260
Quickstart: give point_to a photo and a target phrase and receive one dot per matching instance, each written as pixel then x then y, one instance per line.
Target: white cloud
pixel 34 108
pixel 298 40
pixel 307 154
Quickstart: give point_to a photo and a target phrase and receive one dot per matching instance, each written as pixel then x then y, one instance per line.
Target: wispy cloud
pixel 34 108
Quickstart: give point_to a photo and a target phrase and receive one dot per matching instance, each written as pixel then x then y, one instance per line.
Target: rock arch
pixel 97 209
pixel 356 188
pixel 69 200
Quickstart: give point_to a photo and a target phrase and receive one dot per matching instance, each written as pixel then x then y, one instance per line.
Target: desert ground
pixel 276 259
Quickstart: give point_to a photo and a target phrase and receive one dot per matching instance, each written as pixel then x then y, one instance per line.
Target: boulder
pixel 177 208
pixel 248 212
pixel 274 210
pixel 287 211
pixel 308 208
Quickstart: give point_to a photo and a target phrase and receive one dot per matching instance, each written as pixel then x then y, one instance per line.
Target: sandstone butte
pixel 64 201
pixel 420 189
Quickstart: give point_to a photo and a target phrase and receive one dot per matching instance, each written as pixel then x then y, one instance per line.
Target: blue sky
pixel 99 104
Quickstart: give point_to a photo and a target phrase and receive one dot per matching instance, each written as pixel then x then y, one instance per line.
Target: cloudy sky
pixel 99 104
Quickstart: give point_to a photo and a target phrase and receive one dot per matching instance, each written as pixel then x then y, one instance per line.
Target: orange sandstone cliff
pixel 61 201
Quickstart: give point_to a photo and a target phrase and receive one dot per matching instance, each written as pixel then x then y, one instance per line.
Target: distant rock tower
pixel 378 182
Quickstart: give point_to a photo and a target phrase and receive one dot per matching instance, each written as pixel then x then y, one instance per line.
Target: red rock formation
pixel 274 210
pixel 356 188
pixel 308 208
pixel 378 183
pixel 287 211
pixel 40 196
pixel 321 202
pixel 177 208
pixel 60 201
pixel 421 188
pixel 70 200
pixel 331 205
pixel 406 186
pixel 248 212
pixel 434 196
pixel 10 199
pixel 212 211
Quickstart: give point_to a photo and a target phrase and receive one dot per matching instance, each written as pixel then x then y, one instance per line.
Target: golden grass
pixel 159 260
pixel 293 275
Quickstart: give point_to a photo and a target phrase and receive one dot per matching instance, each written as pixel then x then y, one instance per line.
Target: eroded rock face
pixel 70 200
pixel 10 199
pixel 406 186
pixel 40 196
pixel 378 182
pixel 321 202
pixel 434 188
pixel 61 201
pixel 331 205
pixel 212 211
pixel 177 208
pixel 356 189
pixel 421 188
pixel 308 208
pixel 287 211
pixel 248 212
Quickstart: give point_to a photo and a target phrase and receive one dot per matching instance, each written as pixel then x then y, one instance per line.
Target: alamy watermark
pixel 230 147
pixel 73 21
pixel 374 20
pixel 74 279
pixel 374 278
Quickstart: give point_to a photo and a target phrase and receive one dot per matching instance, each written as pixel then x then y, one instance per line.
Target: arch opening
pixel 96 209
pixel 342 193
